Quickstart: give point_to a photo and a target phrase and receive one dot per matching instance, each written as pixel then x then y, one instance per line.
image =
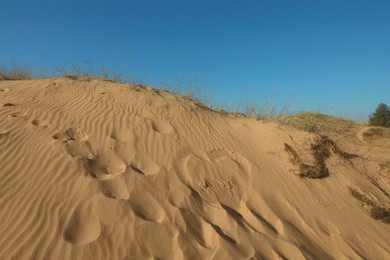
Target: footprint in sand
pixel 103 166
pixel 76 143
pixel 4 133
pixel 158 125
pixel 83 226
pixel 109 168
pixel 162 127
pixel 327 226
pixel 144 165
pixel 40 123
pixel 115 188
pixel 146 207
pixel 221 181
pixel 75 134
pixel 4 90
pixel 220 177
pixel 18 115
pixel 106 165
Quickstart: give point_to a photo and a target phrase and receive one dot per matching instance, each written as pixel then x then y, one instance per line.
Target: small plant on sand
pixel 265 107
pixel 381 116
pixel 16 71
pixel 319 123
pixel 377 209
pixel 192 88
pixel 85 72
pixel 263 111
pixel 80 72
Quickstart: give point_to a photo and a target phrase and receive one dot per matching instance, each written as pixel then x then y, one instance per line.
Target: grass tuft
pixel 377 211
pixel 318 123
pixel 381 213
pixel 321 150
pixel 15 72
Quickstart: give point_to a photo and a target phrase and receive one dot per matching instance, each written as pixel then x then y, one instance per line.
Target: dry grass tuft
pixel 318 123
pixel 377 132
pixel 377 211
pixel 381 213
pixel 323 145
pixel 316 171
pixel 15 72
pixel 78 77
pixel 86 72
pixel 321 150
pixel 361 196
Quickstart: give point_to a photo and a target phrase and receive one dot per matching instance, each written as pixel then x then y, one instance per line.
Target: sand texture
pixel 91 169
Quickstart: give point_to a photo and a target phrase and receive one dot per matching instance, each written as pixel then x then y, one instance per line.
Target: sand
pixel 91 169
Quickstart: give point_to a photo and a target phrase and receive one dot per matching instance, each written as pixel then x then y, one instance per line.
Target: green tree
pixel 381 116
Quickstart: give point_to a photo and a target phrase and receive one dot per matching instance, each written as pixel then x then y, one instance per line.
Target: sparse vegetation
pixel 381 116
pixel 192 88
pixel 381 213
pixel 321 150
pixel 264 107
pixel 318 123
pixel 196 90
pixel 15 72
pixel 361 196
pixel 316 171
pixel 86 72
pixel 376 209
pixel 375 131
pixel 263 111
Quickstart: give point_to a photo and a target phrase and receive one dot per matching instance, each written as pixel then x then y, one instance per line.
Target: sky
pixel 329 56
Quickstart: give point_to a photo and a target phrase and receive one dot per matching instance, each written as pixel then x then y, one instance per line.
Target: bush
pixel 381 116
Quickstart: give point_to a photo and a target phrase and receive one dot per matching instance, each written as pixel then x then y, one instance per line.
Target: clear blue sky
pixel 331 56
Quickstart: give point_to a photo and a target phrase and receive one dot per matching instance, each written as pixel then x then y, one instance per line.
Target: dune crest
pixel 91 169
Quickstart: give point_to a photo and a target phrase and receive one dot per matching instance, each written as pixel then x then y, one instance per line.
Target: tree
pixel 381 116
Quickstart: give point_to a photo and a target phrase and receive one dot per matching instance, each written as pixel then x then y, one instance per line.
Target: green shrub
pixel 381 116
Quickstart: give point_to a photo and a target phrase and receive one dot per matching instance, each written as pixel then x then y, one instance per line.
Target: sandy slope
pixel 98 170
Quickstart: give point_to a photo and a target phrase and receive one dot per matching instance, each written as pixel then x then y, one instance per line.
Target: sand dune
pixel 91 169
